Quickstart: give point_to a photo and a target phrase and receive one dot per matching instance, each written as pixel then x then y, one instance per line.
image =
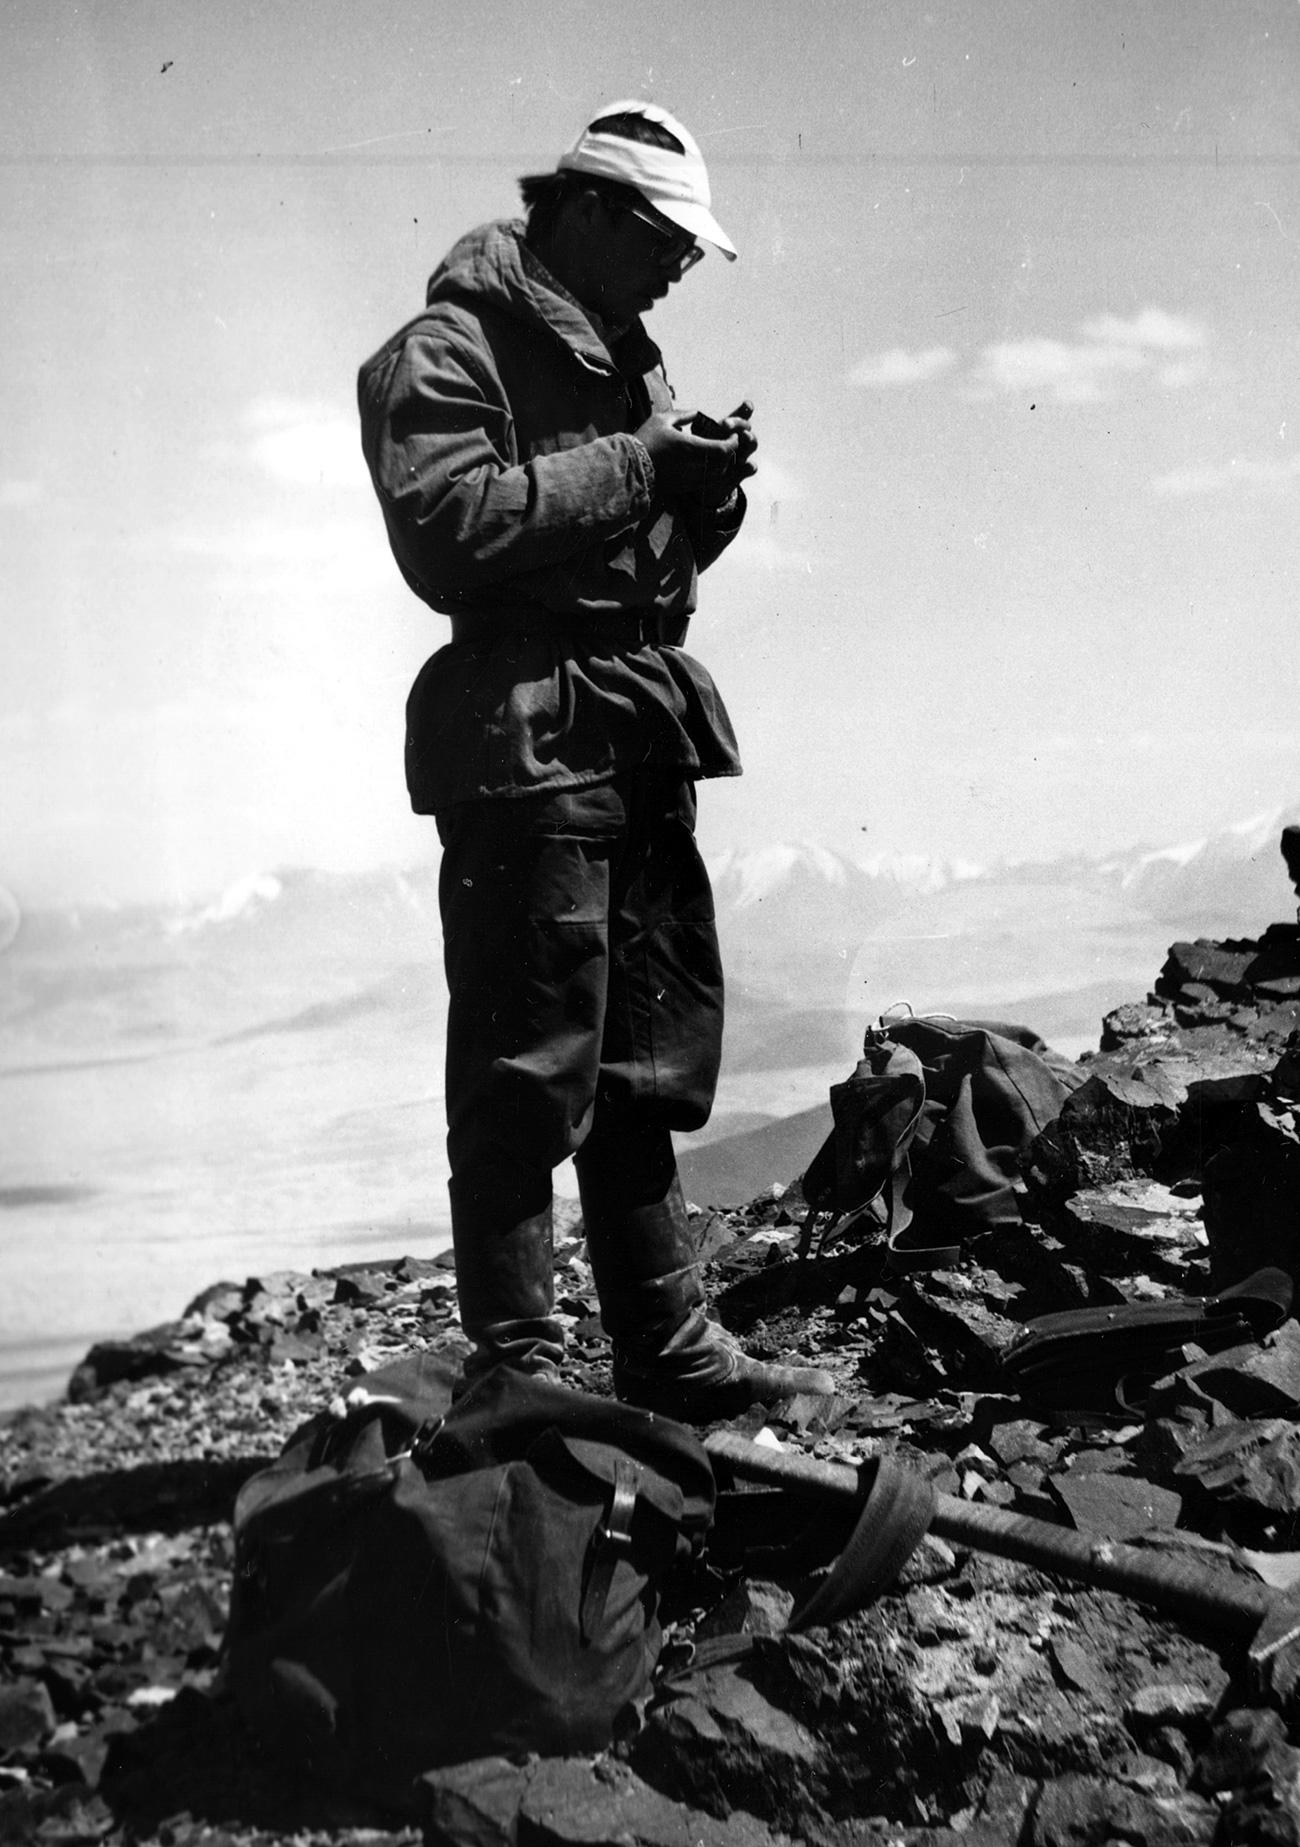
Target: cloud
pixel 1150 328
pixel 304 444
pixel 1070 374
pixel 1153 344
pixel 1266 477
pixel 897 367
pixel 1110 351
pixel 18 495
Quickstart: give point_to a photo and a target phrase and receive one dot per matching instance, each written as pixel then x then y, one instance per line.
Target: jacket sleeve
pixel 711 529
pixel 462 511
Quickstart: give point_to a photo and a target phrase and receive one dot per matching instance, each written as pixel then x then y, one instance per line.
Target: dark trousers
pixel 585 992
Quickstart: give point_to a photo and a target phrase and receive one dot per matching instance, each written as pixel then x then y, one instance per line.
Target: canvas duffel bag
pixel 419 1583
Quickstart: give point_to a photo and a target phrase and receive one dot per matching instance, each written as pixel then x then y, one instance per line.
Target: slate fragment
pixel 1112 1128
pixel 1168 1703
pixel 156 1497
pixel 722 1745
pixel 1148 1022
pixel 1256 1379
pixel 26 1715
pixel 754 1607
pixel 1250 1765
pixel 1241 1747
pixel 1115 1506
pixel 1078 1667
pixel 1127 1224
pixel 1087 1811
pixel 1157 1116
pixel 1255 1461
pixel 158 1351
pixel 474 1804
pixel 571 1803
pixel 1223 968
pixel 78 1758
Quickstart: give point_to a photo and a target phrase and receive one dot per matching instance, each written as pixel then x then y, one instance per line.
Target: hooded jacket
pixel 497 427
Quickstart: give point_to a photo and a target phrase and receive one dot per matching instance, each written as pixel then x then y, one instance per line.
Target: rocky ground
pixel 979 1701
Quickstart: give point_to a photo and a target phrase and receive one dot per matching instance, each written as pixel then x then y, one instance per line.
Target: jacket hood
pixel 492 265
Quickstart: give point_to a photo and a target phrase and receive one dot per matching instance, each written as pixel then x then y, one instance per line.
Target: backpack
pixel 932 1125
pixel 419 1582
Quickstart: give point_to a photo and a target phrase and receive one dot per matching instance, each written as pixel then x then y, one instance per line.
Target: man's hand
pixel 706 467
pixel 747 442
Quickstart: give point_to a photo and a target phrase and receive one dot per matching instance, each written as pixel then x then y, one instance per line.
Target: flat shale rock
pixel 1253 1462
pixel 1249 1764
pixel 569 1802
pixel 1254 1380
pixel 1156 1115
pixel 193 1341
pixel 723 1746
pixel 1138 1025
pixel 1115 1506
pixel 1236 969
pixel 26 1715
pixel 1085 1811
pixel 1132 1225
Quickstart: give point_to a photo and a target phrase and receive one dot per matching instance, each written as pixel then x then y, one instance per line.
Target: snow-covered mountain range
pixel 793 916
pixel 804 927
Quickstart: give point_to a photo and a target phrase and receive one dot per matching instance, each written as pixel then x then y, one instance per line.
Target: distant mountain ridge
pixel 804 927
pixel 1184 879
pixel 797 917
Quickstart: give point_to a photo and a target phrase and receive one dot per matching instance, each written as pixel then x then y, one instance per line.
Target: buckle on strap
pixel 610 1542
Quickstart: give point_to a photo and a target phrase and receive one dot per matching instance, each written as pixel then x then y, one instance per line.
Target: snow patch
pixel 1180 856
pixel 765 870
pixel 237 900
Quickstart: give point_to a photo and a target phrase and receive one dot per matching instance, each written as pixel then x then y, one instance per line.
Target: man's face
pixel 629 264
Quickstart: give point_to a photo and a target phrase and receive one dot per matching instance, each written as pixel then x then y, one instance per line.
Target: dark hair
pixel 545 194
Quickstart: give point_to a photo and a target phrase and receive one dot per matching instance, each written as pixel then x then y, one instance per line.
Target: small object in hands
pixel 710 427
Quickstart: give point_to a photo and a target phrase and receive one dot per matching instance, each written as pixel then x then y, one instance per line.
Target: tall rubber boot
pixel 668 1356
pixel 501 1234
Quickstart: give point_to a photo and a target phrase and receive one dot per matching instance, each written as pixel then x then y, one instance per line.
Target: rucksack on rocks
pixel 418 1583
pixel 930 1129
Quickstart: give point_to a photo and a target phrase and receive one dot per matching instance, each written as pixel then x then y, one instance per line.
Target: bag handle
pixel 609 1543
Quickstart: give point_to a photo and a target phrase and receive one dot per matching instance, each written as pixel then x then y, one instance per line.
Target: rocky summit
pixel 980 1700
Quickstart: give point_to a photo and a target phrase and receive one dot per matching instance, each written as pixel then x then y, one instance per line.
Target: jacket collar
pixel 494 264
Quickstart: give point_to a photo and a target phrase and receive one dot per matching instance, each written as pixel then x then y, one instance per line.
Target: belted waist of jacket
pixel 617 630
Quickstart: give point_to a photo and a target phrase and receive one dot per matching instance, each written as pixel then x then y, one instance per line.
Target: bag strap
pixel 880 1042
pixel 895 1517
pixel 609 1543
pixel 905 1257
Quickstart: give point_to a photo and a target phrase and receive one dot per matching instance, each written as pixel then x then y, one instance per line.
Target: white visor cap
pixel 677 185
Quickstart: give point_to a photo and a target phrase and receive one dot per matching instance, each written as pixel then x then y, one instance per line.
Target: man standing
pixel 541 489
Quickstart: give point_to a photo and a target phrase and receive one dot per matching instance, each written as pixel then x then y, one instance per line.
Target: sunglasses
pixel 674 249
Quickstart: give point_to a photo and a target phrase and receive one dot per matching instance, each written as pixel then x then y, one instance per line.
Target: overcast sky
pixel 1017 305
